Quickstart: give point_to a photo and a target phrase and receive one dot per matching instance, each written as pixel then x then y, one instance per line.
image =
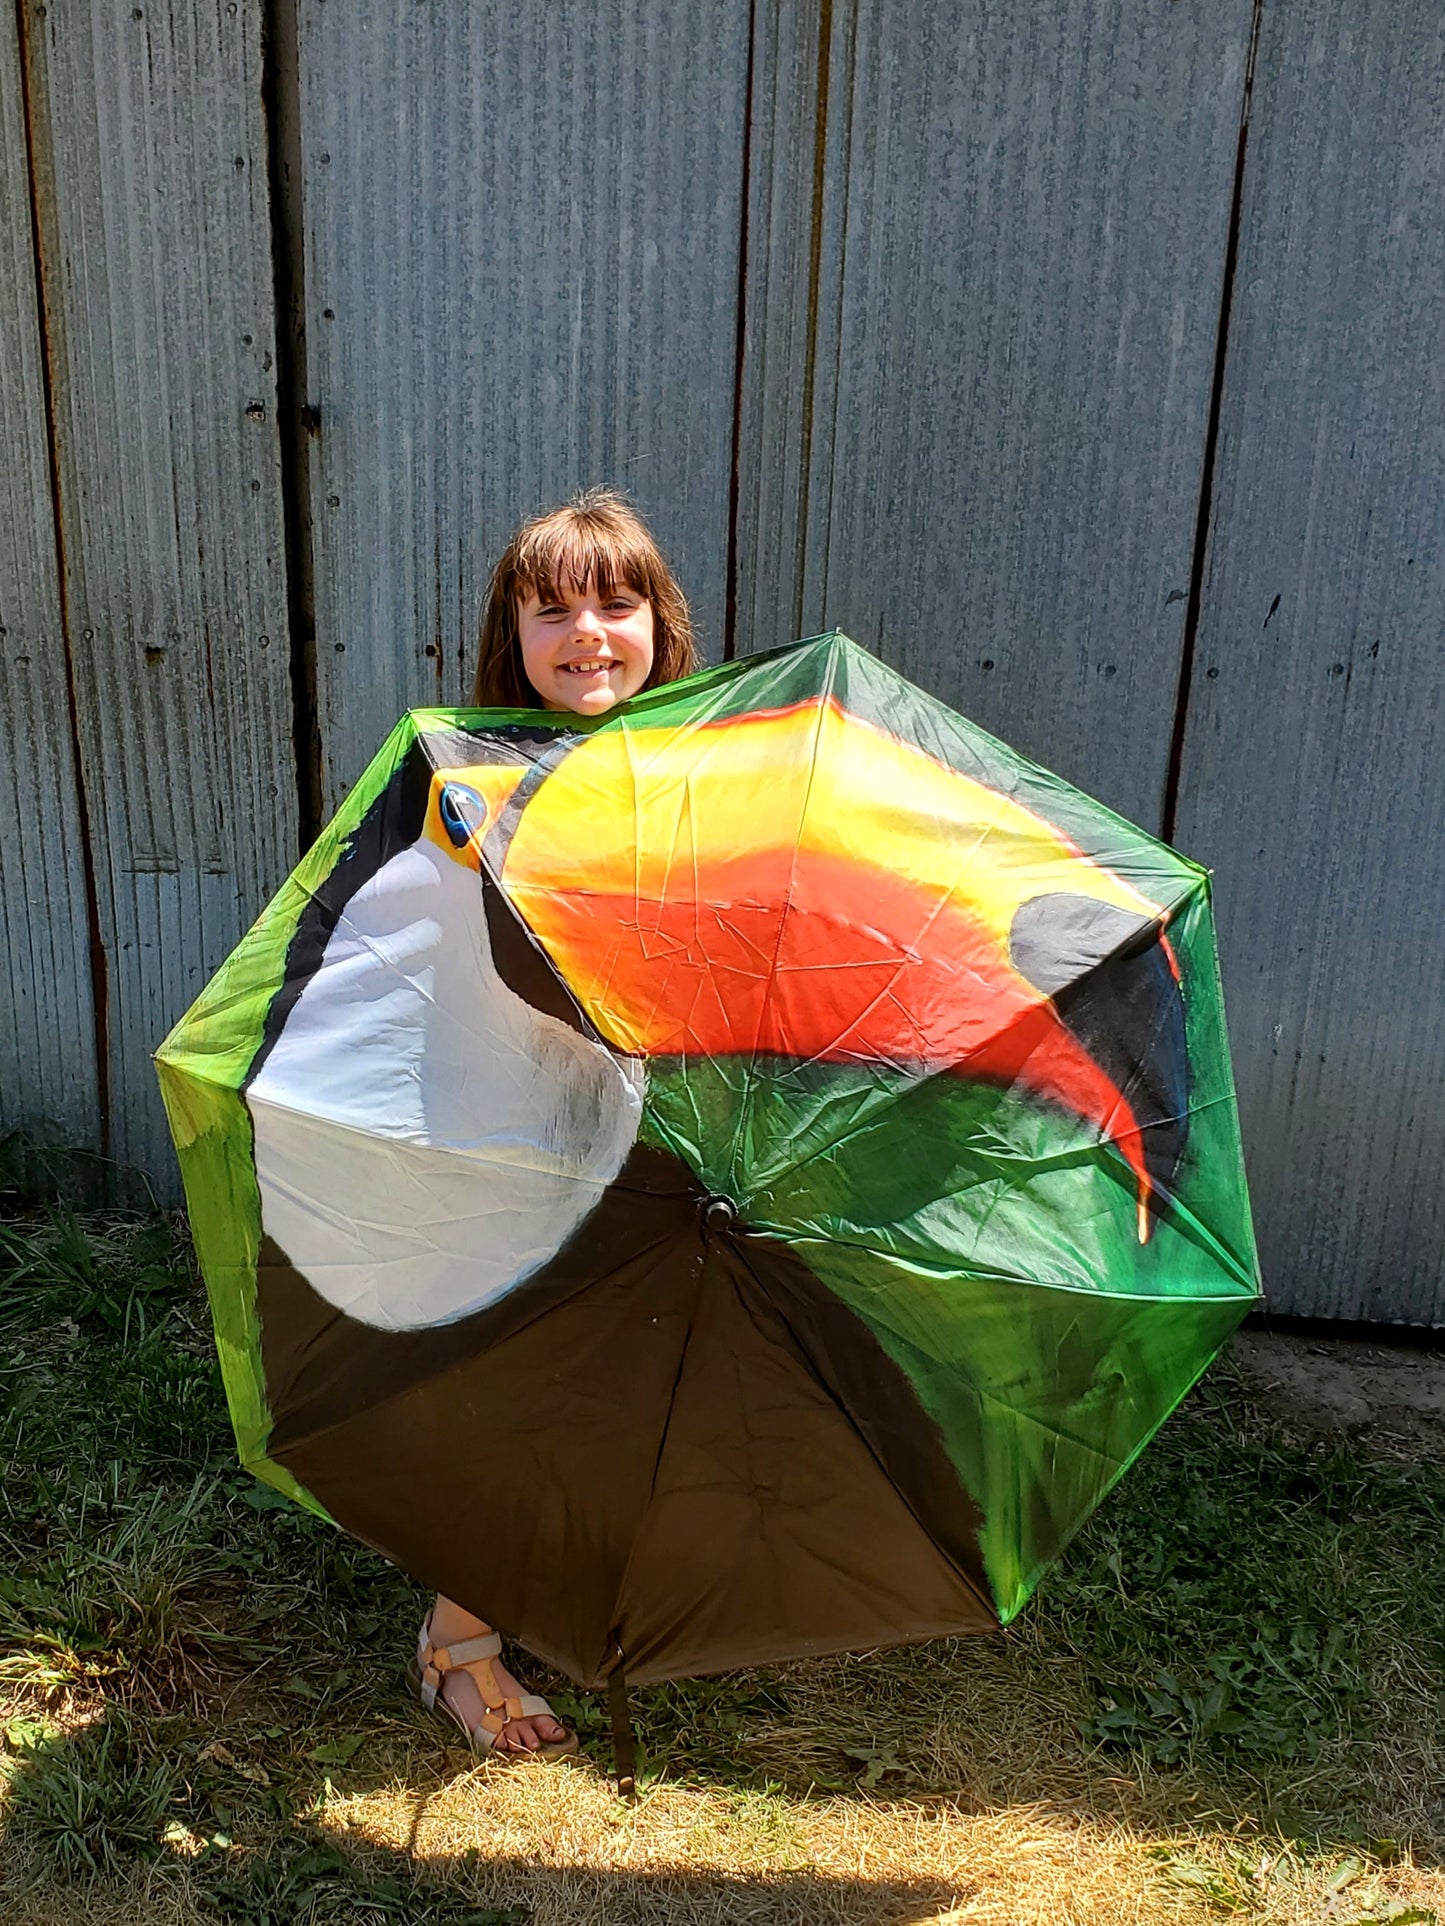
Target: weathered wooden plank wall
pixel 521 275
pixel 1313 774
pixel 894 314
pixel 150 180
pixel 1018 229
pixel 781 293
pixel 47 1037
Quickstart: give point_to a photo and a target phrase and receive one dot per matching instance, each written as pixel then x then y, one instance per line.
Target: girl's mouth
pixel 591 665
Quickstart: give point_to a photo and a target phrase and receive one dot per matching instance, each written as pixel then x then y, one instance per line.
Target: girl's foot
pixel 450 1625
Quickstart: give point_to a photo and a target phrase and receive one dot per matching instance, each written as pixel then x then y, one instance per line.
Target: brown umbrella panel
pixel 669 1443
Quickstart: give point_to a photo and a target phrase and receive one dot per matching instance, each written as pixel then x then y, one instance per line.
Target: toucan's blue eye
pixel 463 812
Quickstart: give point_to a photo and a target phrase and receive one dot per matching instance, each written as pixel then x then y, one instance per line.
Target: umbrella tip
pixel 719 1214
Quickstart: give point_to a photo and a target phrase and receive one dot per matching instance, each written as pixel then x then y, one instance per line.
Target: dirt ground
pixel 1387 1395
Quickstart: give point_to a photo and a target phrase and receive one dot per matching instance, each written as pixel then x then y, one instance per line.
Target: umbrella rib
pixel 839 1405
pixel 615 1615
pixel 906 1089
pixel 996 1276
pixel 824 698
pixel 1052 1429
pixel 1044 996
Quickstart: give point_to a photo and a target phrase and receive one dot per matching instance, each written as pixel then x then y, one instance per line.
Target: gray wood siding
pixel 47 1037
pixel 915 317
pixel 155 238
pixel 521 264
pixel 1312 774
pixel 780 298
pixel 1023 229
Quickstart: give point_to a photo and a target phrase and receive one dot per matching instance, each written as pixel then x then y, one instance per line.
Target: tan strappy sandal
pixel 475 1656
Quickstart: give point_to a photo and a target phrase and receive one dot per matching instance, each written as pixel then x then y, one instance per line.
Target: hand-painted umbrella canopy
pixel 738 1178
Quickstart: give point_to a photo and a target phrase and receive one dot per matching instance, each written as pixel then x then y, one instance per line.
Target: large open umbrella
pixel 738 1178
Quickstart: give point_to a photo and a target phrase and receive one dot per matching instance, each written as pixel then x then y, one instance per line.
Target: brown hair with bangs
pixel 596 537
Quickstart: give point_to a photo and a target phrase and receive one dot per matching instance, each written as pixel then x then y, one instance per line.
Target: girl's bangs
pixel 569 554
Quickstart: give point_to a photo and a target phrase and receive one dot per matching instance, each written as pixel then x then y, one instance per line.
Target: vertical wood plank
pixel 157 269
pixel 48 1080
pixel 521 273
pixel 782 287
pixel 1024 219
pixel 1313 773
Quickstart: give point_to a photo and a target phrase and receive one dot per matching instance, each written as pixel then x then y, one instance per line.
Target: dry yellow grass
pixel 557 1844
pixel 1038 1827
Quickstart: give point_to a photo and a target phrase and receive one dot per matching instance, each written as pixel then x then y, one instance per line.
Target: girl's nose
pixel 588 622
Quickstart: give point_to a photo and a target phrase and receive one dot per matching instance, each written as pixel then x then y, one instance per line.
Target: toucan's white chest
pixel 424 1138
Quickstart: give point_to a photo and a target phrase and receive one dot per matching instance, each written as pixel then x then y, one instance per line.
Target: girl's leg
pixel 450 1624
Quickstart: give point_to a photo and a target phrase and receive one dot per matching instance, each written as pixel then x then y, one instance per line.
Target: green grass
pixel 1251 1632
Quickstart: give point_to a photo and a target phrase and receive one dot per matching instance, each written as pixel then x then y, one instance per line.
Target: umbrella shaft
pixel 622 1743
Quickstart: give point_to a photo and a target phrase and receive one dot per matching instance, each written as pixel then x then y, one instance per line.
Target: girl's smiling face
pixel 584 648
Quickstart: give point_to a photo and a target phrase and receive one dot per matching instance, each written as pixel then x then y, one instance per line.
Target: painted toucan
pixel 710 1166
pixel 719 891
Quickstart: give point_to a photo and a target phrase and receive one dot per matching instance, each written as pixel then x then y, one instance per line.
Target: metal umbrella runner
pixel 738 1179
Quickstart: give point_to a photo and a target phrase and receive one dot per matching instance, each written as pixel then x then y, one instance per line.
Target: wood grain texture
pixel 1314 768
pixel 156 246
pixel 47 1032
pixel 521 276
pixel 780 295
pixel 1024 218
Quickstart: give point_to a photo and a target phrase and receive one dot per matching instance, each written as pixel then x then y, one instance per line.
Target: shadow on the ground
pixel 101 1823
pixel 307 1883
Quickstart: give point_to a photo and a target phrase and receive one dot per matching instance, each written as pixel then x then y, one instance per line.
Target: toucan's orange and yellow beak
pixel 800 884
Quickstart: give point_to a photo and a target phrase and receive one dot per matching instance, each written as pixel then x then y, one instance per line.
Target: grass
pixel 1227 1702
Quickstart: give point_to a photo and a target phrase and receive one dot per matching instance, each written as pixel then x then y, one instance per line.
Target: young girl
pixel 582 612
